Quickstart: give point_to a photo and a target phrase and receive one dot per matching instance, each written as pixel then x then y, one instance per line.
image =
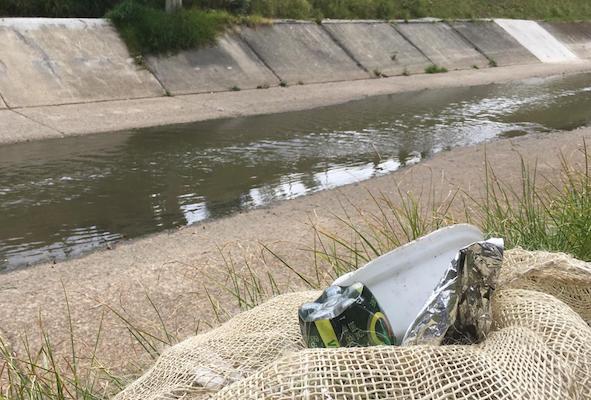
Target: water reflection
pixel 65 197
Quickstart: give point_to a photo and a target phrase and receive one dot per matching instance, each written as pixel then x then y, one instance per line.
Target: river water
pixel 62 198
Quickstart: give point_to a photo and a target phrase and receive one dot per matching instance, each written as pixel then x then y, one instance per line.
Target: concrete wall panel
pixel 444 46
pixel 229 64
pixel 495 43
pixel 302 52
pixel 378 47
pixel 537 40
pixel 575 35
pixel 56 61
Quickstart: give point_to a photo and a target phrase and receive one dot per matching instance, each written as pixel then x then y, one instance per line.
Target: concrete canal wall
pixel 302 52
pixel 443 45
pixel 57 61
pixel 537 40
pixel 48 62
pixel 378 47
pixel 575 35
pixel 230 64
pixel 494 42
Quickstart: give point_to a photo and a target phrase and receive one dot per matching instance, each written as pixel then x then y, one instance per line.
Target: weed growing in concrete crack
pixel 263 86
pixel 492 63
pixel 435 69
pixel 377 73
pixel 235 88
pixel 283 84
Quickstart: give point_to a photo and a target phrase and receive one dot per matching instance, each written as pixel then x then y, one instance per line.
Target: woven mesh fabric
pixel 556 274
pixel 203 364
pixel 540 348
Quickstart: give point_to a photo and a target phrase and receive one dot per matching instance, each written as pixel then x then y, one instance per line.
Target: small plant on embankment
pixel 435 69
pixel 45 373
pixel 554 218
pixel 149 30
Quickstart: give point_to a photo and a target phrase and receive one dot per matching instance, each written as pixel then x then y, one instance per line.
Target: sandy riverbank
pixel 54 122
pixel 173 267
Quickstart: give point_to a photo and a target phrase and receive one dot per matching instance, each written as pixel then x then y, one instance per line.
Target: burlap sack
pixel 540 348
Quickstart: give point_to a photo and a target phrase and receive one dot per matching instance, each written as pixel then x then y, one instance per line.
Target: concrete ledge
pixel 302 52
pixel 230 64
pixel 16 128
pixel 90 118
pixel 378 47
pixel 442 45
pixel 85 118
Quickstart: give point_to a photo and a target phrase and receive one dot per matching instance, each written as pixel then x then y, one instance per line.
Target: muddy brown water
pixel 62 198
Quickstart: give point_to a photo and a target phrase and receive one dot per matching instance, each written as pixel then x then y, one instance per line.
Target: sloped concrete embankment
pixel 295 52
pixel 60 61
pixel 57 61
pixel 575 35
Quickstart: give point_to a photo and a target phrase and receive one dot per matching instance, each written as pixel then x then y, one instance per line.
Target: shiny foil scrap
pixel 459 309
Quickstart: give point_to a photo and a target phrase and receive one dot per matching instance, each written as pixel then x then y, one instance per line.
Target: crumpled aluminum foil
pixel 459 311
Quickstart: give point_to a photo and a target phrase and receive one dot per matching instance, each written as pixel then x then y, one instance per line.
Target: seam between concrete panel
pixel 490 60
pixel 39 122
pixel 342 46
pixel 4 102
pixel 393 25
pixel 465 39
pixel 77 103
pixel 147 67
pixel 258 56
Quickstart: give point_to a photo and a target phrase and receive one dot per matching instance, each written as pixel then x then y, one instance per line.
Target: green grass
pixel 318 9
pixel 148 30
pixel 43 373
pixel 40 373
pixel 435 69
pixel 555 218
pixel 406 9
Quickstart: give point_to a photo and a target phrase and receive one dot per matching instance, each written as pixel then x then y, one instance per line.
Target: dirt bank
pixel 174 267
pixel 35 123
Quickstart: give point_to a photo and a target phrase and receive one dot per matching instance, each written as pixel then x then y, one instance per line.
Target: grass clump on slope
pixel 405 9
pixel 150 30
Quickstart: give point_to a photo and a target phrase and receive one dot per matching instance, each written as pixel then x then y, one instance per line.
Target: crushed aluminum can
pixel 345 317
